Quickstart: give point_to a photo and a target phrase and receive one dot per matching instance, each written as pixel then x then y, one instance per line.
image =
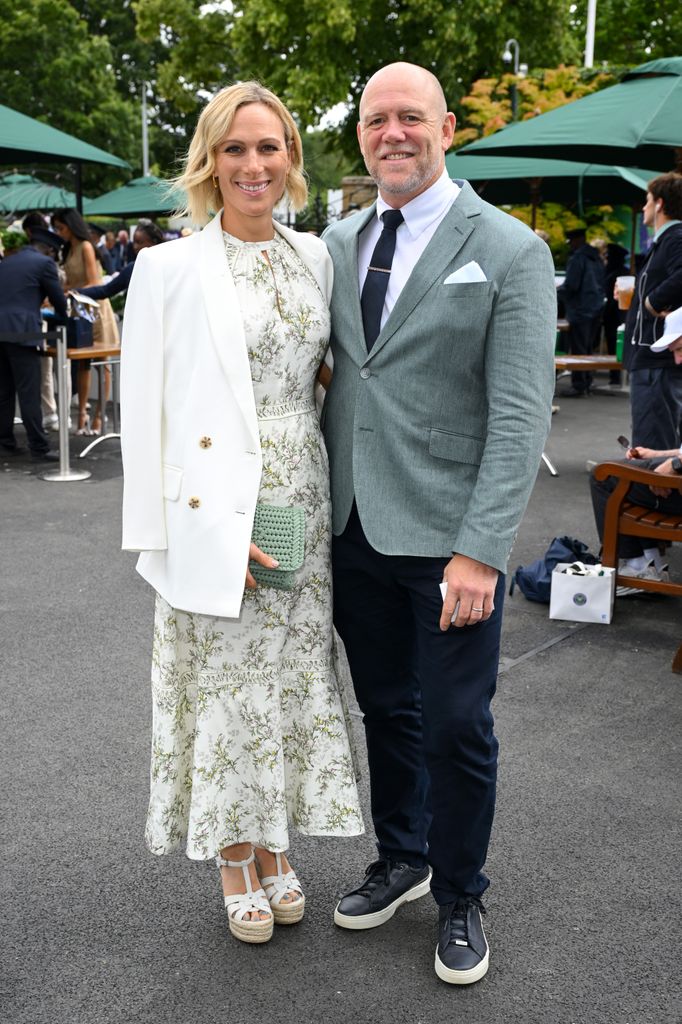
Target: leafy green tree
pixel 316 55
pixel 52 69
pixel 630 31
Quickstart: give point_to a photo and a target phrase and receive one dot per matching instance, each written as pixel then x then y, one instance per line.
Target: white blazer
pixel 189 432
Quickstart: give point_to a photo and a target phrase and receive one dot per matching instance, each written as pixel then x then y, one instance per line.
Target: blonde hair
pixel 215 121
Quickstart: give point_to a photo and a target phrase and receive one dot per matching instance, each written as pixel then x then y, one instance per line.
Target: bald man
pixel 443 323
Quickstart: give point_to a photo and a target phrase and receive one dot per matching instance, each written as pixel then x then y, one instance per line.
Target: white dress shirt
pixel 422 216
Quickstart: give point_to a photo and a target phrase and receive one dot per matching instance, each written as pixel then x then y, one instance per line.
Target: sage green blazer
pixel 438 432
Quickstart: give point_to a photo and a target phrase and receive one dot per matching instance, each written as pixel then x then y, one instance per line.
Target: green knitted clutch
pixel 279 532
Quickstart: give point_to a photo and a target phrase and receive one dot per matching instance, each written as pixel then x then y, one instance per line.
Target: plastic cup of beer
pixel 626 289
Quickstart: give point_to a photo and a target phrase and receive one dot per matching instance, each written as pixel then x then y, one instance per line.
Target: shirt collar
pixel 427 207
pixel 668 224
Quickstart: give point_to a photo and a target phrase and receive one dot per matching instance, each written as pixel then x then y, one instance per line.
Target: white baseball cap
pixel 672 330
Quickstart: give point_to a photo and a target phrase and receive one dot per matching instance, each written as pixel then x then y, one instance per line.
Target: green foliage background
pixel 80 65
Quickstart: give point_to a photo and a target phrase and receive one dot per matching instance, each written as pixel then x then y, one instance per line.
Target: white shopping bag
pixel 582 598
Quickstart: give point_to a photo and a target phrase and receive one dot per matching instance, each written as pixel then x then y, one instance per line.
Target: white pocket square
pixel 467 274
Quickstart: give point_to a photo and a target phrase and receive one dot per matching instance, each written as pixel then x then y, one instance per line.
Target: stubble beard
pixel 422 174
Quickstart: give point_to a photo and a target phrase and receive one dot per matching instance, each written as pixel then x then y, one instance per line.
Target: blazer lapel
pixel 448 239
pixel 348 278
pixel 225 322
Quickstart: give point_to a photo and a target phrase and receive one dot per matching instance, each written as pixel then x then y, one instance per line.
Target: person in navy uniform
pixel 27 278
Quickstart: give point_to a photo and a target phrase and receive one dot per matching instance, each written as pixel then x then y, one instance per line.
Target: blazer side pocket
pixel 456 447
pixel 172 482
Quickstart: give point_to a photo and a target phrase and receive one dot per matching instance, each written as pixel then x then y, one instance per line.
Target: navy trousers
pixel 656 407
pixel 582 338
pixel 20 378
pixel 425 696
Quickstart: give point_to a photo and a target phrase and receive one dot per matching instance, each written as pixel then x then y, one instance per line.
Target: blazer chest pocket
pixel 172 482
pixel 456 447
pixel 461 291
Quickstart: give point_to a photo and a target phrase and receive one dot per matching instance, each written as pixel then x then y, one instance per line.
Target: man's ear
pixel 449 124
pixel 358 129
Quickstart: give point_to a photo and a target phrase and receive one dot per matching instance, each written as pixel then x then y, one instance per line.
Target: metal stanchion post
pixel 64 472
pixel 105 436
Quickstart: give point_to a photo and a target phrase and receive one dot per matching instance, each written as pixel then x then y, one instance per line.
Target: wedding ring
pixel 476 609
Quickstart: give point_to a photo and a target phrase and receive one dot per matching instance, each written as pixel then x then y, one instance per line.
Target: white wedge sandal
pixel 277 887
pixel 252 901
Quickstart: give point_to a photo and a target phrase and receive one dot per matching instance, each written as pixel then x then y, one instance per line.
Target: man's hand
pixel 472 585
pixel 638 452
pixel 259 556
pixel 664 469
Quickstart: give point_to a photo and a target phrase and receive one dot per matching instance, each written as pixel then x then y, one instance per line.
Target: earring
pixel 215 181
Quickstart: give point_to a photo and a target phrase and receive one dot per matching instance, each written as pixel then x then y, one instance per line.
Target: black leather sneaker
pixel 462 954
pixel 387 884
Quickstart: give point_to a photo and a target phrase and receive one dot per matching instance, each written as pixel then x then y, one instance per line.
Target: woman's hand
pixel 259 556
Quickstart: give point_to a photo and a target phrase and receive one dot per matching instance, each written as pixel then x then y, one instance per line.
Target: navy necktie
pixel 378 273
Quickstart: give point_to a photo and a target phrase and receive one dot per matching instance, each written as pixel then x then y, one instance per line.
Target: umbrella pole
pixel 534 200
pixel 79 186
pixel 633 237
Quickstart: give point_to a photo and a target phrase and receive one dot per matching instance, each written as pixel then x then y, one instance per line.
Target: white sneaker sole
pixel 380 917
pixel 462 977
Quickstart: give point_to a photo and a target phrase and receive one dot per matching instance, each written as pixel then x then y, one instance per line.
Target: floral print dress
pixel 250 727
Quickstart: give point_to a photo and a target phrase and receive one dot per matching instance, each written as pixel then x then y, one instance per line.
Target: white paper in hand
pixel 444 589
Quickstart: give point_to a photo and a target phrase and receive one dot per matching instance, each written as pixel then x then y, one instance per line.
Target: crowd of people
pixel 63 256
pixel 268 534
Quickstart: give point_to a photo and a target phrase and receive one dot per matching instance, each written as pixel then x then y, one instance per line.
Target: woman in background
pixel 83 270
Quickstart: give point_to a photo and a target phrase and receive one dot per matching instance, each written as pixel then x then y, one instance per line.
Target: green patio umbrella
pixel 24 140
pixel 515 180
pixel 22 192
pixel 635 123
pixel 147 195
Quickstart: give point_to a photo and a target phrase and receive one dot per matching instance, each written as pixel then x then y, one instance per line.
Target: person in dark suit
pixel 583 297
pixel 655 380
pixel 27 278
pixel 122 251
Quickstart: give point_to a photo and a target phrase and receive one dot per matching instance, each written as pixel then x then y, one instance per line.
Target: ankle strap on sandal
pixel 222 863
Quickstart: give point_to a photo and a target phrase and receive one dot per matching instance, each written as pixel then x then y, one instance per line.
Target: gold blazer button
pixel 205 442
pixel 194 503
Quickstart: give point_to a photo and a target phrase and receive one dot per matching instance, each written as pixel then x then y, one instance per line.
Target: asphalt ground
pixel 584 907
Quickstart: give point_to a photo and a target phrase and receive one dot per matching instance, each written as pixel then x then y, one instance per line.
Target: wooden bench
pixel 625 517
pixel 587 363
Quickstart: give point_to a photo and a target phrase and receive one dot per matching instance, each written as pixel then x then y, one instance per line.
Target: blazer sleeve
pixel 117 285
pixel 142 373
pixel 519 376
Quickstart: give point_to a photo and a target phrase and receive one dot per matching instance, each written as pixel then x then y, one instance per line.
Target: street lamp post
pixel 520 70
pixel 145 136
pixel 589 33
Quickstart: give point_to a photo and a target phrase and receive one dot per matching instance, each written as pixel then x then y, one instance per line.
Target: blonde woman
pixel 224 333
